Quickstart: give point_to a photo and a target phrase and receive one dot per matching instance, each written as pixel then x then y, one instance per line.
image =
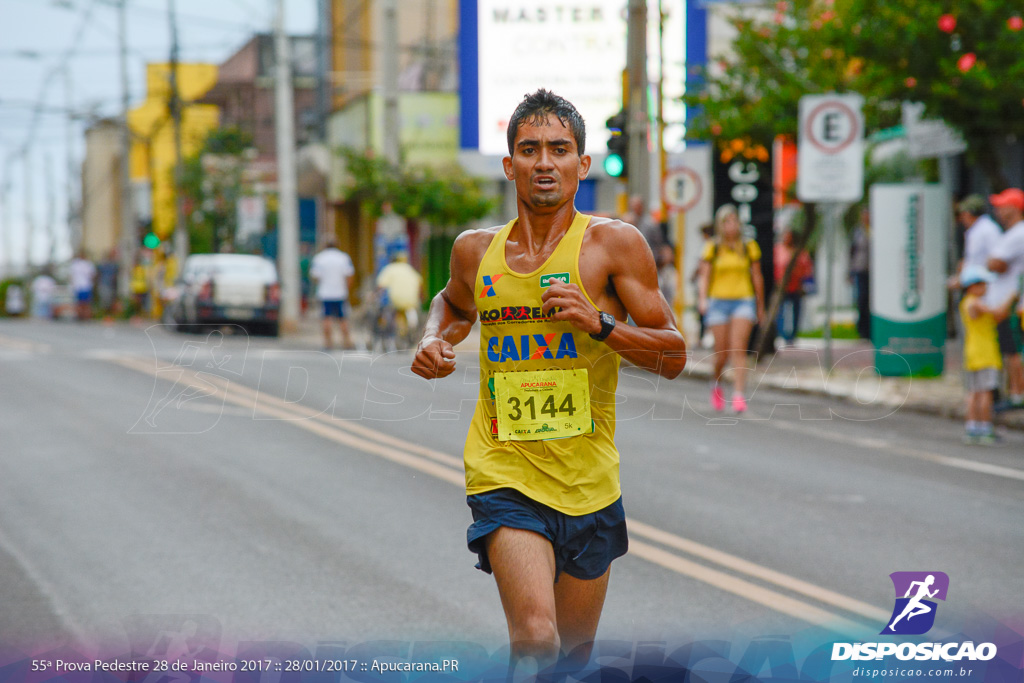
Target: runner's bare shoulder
pixel 470 246
pixel 468 251
pixel 615 235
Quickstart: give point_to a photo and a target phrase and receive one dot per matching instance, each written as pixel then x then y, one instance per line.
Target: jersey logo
pixel 546 280
pixel 553 346
pixel 516 314
pixel 489 281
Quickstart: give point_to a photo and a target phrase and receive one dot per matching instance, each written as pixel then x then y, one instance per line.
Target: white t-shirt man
pixel 979 240
pixel 331 269
pixel 81 273
pixel 1010 250
pixel 43 289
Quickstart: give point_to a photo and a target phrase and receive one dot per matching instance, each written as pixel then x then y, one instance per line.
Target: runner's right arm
pixel 453 311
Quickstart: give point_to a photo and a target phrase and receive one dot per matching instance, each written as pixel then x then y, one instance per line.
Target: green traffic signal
pixel 151 241
pixel 614 165
pixel 618 146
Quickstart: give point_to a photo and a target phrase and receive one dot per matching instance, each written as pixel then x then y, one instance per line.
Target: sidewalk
pixel 801 369
pixel 852 377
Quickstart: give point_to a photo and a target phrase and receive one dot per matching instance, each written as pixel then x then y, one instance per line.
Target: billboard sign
pixel 578 51
pixel 908 277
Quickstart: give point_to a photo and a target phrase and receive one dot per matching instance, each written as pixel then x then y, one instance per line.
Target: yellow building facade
pixel 153 156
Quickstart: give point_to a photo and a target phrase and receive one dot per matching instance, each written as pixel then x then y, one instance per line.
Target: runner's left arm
pixel 655 343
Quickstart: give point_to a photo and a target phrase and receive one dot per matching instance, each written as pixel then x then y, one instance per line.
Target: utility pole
pixel 51 207
pixel 30 228
pixel 324 91
pixel 288 201
pixel 181 246
pixel 639 182
pixel 389 68
pixel 129 234
pixel 5 217
pixel 74 234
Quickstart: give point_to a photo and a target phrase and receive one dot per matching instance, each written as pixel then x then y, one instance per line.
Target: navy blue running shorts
pixel 584 546
pixel 334 309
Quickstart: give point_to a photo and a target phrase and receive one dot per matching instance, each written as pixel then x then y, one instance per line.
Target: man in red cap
pixel 1007 260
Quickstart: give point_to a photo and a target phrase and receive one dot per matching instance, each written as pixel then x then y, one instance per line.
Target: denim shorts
pixel 584 546
pixel 721 311
pixel 334 309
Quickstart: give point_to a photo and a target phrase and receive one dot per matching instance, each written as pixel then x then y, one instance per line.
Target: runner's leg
pixel 523 563
pixel 578 605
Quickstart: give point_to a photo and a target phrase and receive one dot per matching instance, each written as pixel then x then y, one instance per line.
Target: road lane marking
pixel 868 443
pixel 449 468
pixel 745 589
pixel 59 607
pixel 906 451
pixel 738 564
pixel 24 345
pixel 225 391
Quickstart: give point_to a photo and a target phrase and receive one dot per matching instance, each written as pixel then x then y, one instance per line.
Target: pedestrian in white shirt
pixel 82 273
pixel 43 289
pixel 980 232
pixel 1007 260
pixel 333 272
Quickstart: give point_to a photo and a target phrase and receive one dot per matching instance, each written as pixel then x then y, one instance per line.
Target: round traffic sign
pixel 832 126
pixel 681 188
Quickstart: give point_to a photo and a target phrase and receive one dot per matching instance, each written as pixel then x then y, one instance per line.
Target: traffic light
pixel 151 241
pixel 616 164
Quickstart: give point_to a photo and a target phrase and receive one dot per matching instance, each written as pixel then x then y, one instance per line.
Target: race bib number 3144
pixel 542 404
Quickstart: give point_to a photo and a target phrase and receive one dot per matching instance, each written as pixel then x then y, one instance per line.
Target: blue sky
pixel 39 37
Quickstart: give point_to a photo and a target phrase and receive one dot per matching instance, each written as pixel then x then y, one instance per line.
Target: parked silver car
pixel 219 289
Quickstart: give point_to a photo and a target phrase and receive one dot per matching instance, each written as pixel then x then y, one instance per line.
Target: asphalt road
pixel 250 489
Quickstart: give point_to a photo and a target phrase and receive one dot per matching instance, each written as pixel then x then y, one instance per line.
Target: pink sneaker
pixel 739 404
pixel 718 399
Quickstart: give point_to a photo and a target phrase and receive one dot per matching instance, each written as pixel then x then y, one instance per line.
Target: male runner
pixel 552 289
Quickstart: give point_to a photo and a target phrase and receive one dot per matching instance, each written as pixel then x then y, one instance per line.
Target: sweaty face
pixel 545 165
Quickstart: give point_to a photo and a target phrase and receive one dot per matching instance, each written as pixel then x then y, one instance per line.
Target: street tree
pixel 961 60
pixel 212 183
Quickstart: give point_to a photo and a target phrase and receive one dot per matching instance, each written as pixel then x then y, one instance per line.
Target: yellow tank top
pixel 730 270
pixel 578 474
pixel 981 343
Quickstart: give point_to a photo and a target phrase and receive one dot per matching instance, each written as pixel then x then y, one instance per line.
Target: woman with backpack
pixel 731 299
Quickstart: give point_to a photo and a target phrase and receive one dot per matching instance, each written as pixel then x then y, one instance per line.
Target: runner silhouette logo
pixel 914 611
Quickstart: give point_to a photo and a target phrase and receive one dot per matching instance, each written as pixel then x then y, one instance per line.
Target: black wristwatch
pixel 607 325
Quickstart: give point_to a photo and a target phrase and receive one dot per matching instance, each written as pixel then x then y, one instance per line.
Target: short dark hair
pixel 538 105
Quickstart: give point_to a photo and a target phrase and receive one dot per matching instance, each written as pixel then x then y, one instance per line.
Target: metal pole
pixel 5 218
pixel 30 228
pixel 639 182
pixel 74 235
pixel 129 238
pixel 832 210
pixel 181 242
pixel 324 91
pixel 389 68
pixel 51 207
pixel 662 153
pixel 288 205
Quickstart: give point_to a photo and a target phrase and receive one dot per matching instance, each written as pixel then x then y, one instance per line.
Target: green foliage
pixel 212 184
pixel 441 197
pixel 4 284
pixel 966 68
